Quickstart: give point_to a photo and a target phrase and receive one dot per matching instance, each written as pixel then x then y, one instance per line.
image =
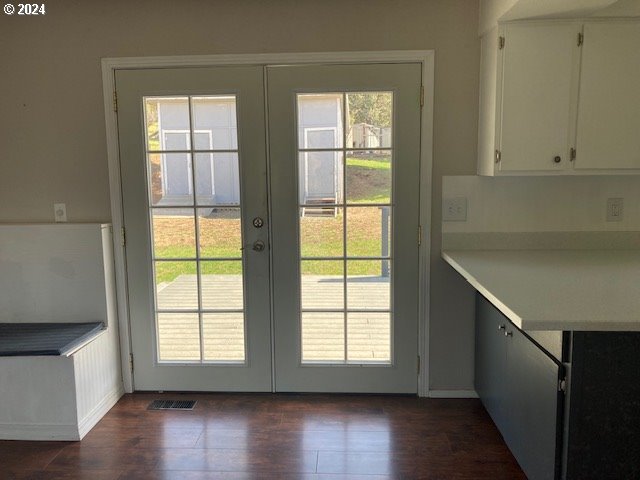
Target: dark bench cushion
pixel 22 339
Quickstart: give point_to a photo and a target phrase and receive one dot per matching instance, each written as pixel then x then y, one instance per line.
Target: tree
pixel 371 107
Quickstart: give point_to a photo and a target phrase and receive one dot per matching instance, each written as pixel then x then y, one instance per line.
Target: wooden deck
pixel 323 335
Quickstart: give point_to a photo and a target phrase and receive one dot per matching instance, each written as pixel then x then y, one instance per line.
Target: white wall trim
pixel 453 394
pixel 94 416
pixel 39 432
pixel 115 191
pixel 425 57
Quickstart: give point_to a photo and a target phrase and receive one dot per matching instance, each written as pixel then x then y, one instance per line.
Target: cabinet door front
pixel 538 96
pixel 534 407
pixel 490 359
pixel 609 108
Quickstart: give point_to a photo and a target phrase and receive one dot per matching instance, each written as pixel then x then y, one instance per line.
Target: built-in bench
pixel 60 368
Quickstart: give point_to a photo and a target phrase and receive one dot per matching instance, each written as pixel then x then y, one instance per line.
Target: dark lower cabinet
pixel 518 383
pixel 603 419
pixel 588 431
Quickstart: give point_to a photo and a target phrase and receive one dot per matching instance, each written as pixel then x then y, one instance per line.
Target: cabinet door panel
pixel 490 360
pixel 533 402
pixel 609 105
pixel 539 90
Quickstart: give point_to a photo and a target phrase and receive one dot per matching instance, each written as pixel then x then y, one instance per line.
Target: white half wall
pixel 52 273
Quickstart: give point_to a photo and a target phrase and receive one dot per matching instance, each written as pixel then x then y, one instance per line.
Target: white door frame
pixel 425 57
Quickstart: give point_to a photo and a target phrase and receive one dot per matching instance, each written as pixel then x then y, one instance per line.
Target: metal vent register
pixel 172 405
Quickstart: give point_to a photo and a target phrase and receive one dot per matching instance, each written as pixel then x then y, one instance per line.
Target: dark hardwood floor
pixel 264 436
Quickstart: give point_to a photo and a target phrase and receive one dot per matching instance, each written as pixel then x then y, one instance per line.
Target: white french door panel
pixel 335 293
pixel 345 263
pixel 199 295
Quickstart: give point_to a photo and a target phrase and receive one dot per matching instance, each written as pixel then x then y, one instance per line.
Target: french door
pixel 313 287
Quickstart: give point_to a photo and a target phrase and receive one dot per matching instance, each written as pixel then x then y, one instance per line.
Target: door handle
pixel 258 246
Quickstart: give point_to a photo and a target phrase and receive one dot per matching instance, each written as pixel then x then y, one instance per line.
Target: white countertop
pixel 595 290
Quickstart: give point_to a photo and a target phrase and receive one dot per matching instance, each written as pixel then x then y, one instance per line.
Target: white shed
pixel 214 127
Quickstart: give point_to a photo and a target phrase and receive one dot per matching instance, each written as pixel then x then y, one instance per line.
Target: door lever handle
pixel 258 246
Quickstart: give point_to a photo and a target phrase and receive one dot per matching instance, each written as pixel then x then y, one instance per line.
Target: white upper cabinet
pixel 540 84
pixel 608 133
pixel 537 92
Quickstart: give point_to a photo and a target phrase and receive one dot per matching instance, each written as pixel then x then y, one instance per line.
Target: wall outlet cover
pixel 60 212
pixel 454 209
pixel 615 209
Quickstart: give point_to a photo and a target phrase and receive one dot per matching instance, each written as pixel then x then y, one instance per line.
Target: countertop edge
pixel 539 325
pixel 475 283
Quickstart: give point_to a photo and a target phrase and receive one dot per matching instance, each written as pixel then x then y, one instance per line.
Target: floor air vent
pixel 172 405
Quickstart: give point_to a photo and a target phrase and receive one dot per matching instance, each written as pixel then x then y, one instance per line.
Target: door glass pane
pixel 368 231
pixel 323 337
pixel 215 117
pixel 178 337
pixel 223 336
pixel 217 178
pixel 326 224
pixel 174 233
pixel 322 284
pixel 320 120
pixel 321 233
pixel 369 122
pixel 369 336
pixel 320 180
pixel 221 284
pixel 167 123
pixel 220 232
pixel 369 177
pixel 176 285
pixel 187 278
pixel 368 284
pixel 170 179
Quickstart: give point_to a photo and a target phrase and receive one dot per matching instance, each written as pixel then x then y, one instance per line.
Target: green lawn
pixel 372 163
pixel 168 271
pixel 368 181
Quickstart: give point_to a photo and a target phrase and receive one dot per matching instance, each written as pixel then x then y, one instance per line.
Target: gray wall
pixel 52 134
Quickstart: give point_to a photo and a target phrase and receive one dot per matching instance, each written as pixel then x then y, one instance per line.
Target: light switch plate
pixel 60 212
pixel 454 209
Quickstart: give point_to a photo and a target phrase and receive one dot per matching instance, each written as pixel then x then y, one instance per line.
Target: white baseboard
pixel 39 432
pixel 95 415
pixel 452 394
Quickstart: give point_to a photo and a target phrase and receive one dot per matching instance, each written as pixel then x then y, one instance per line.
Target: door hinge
pixel 421 96
pixel 115 101
pixel 498 156
pixel 562 385
pixel 419 235
pixel 123 237
pixel 131 361
pixel 572 154
pixel 580 39
pixel 418 364
pixel 501 42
